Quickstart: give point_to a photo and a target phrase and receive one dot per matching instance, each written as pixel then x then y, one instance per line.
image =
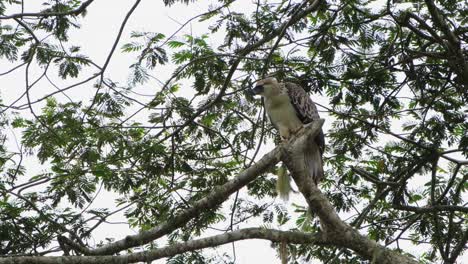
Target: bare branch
pixel 150 255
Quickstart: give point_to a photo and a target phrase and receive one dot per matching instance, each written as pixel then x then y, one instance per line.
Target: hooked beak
pixel 257 89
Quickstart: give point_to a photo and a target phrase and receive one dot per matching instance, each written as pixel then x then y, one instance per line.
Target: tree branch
pixel 459 247
pixel 216 197
pixel 432 209
pixel 219 195
pixel 453 43
pixel 172 250
pixel 372 178
pixel 336 231
pixel 74 12
pixel 242 53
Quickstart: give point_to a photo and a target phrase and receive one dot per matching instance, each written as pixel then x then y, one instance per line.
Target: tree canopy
pixel 189 159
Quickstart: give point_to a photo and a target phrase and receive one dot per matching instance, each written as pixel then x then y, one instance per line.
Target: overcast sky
pixel 96 37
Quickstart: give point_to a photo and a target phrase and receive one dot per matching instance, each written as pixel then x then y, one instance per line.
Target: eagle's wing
pixel 305 109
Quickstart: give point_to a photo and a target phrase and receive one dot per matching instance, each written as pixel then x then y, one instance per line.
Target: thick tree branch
pixel 459 64
pixel 336 231
pixel 216 197
pixel 439 21
pixel 219 195
pixel 172 250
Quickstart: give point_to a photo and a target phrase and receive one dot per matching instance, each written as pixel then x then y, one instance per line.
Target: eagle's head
pixel 267 87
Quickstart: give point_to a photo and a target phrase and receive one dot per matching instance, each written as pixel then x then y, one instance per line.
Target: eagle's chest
pixel 282 114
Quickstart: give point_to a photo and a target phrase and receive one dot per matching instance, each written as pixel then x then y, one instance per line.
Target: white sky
pixel 96 37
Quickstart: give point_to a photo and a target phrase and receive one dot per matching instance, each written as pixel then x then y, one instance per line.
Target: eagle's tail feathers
pixel 314 163
pixel 283 185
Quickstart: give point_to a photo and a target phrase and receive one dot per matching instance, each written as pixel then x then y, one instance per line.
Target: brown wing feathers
pixel 305 109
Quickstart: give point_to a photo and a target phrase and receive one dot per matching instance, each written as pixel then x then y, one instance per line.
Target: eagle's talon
pixel 289 107
pixel 298 131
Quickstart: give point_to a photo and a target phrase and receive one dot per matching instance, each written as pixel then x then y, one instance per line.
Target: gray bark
pixel 335 231
pixel 172 250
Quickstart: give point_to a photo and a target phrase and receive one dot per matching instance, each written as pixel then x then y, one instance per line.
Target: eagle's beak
pixel 257 89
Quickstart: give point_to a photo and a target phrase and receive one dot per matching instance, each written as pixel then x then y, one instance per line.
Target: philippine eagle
pixel 289 107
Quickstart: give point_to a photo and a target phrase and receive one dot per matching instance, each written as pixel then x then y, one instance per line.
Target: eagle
pixel 289 107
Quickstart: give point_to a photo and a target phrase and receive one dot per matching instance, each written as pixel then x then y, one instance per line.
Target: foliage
pixel 393 82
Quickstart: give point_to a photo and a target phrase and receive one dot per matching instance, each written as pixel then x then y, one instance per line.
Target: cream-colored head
pixel 267 87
